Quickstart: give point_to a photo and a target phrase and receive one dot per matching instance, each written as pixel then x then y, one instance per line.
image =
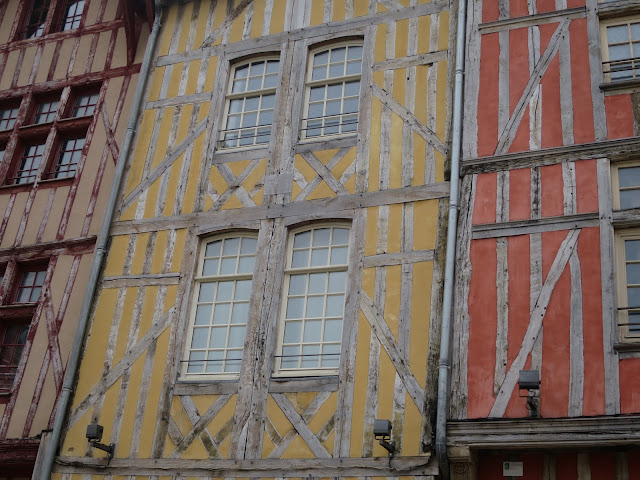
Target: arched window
pixel 220 307
pixel 314 298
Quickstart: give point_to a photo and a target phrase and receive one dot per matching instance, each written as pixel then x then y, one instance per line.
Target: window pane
pixel 221 313
pixel 46 111
pixel 85 105
pixel 295 307
pixel 312 331
pixel 8 118
pixel 73 14
pixel 335 306
pixel 203 315
pixel 332 330
pixel 331 355
pixel 632 249
pixel 633 273
pixel 292 332
pixel 630 199
pixel 315 307
pixel 319 257
pixel 243 290
pixel 617 33
pixel 240 313
pixel 317 282
pixel 297 284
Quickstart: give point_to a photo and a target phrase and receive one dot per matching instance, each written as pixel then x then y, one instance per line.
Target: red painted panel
pixel 551 114
pixel 629 385
pixel 519 276
pixel 587 186
pixel 575 3
pixel 567 466
pixel 488 98
pixel 554 394
pixel 519 194
pixel 583 131
pixel 518 8
pixel 484 209
pixel 546 6
pixel 490 11
pixel 589 253
pixel 619 116
pixel 482 330
pixel 552 198
pixel 603 465
pixel 518 79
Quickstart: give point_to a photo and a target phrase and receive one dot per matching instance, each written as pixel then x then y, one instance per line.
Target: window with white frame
pixel 220 306
pixel 333 90
pixel 628 273
pixel 620 40
pixel 626 185
pixel 250 101
pixel 314 298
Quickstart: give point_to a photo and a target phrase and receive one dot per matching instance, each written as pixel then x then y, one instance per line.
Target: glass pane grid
pixel 12 340
pixel 35 25
pixel 623 48
pixel 69 158
pixel 72 14
pixel 30 286
pixel 8 117
pixel 29 165
pixel 222 307
pixel 85 105
pixel 46 111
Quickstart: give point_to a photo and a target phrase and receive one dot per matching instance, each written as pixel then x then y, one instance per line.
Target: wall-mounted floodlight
pixel 529 381
pixel 382 433
pixel 94 435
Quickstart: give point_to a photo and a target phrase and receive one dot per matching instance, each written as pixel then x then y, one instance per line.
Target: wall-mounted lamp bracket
pixel 529 383
pixel 382 433
pixel 94 435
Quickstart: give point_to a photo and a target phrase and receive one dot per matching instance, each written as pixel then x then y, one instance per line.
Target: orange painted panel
pixel 551 114
pixel 518 79
pixel 619 116
pixel 519 194
pixel 519 276
pixel 587 186
pixel 603 465
pixel 488 98
pixel 490 11
pixel 518 8
pixel 546 6
pixel 482 329
pixel 552 198
pixel 575 3
pixel 583 130
pixel 554 395
pixel 567 466
pixel 589 254
pixel 484 209
pixel 629 385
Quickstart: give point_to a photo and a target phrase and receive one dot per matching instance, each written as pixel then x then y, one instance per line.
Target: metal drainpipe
pixel 74 357
pixel 445 334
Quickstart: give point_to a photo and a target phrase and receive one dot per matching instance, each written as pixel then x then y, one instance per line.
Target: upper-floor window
pixel 628 275
pixel 220 308
pixel 41 17
pixel 250 102
pixel 314 297
pixel 621 49
pixel 333 90
pixel 72 14
pixel 8 116
pixel 626 186
pixel 13 336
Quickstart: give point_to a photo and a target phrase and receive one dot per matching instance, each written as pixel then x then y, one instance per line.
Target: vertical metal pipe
pixel 101 248
pixel 452 227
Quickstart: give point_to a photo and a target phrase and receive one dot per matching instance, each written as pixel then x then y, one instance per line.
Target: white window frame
pixel 309 84
pixel 604 41
pixel 279 370
pixel 621 276
pixel 615 182
pixel 201 279
pixel 245 95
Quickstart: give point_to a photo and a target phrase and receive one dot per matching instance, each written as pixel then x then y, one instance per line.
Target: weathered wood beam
pixel 534 225
pixel 531 20
pixel 148 279
pixel 72 246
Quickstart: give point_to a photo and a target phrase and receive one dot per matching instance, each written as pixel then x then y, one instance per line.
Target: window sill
pixel 205 387
pixel 628 346
pixel 42 184
pixel 327 383
pixel 241 153
pixel 327 142
pixel 618 8
pixel 617 87
pixel 17 311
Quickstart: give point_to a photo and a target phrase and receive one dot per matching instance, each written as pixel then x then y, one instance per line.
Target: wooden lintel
pixel 615 150
pixel 400 258
pixel 526 433
pixel 141 280
pixel 295 467
pixel 73 246
pixel 532 20
pixel 334 204
pixel 535 225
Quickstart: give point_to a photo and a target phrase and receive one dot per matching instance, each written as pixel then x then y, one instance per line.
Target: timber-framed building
pixel 67 72
pixel 274 277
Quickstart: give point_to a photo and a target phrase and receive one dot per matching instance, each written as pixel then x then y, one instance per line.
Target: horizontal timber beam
pixel 532 20
pixel 232 217
pixel 294 467
pixel 143 280
pixel 615 150
pixel 71 246
pixel 536 225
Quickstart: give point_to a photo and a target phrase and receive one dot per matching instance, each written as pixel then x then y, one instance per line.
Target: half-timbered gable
pixel 273 281
pixel 545 268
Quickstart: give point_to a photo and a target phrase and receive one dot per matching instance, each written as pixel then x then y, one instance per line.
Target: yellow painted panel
pixel 64 58
pixel 211 74
pixel 277 17
pixel 325 155
pixel 115 259
pixel 130 407
pixel 420 109
pixel 129 213
pixel 82 59
pixel 300 400
pixel 371 239
pixel 360 386
pixel 217 181
pixel 155 85
pixel 317 12
pixel 151 198
pixel 181 236
pixel 394 235
pixel 402 38
pixel 360 8
pixel 381 43
pixel 439 167
pixel 374 145
pixel 424 32
pixel 425 225
pixel 192 78
pixel 329 442
pixel 256 176
pixel 392 298
pixel 339 11
pixel 443 37
pixel 159 251
pixel 304 168
pixel 298 448
pixel 139 253
pixel 386 376
pixel 142 146
pixel 168 26
pixel 420 307
pixel 235 35
pixel 201 26
pixel 123 327
pixel 295 191
pixel 45 62
pixel 412 433
pixel 27 64
pixel 172 185
pixel 192 180
pixel 232 202
pixel 185 27
pixel 208 204
pixel 378 78
pixel 350 185
pixel 395 163
pixel 180 417
pixel 258 18
pixel 277 417
pixel 196 450
pixel 238 167
pixel 441 109
pixel 148 309
pixel 108 411
pixel 327 409
pixel 343 164
pixel 170 300
pixel 321 191
pixel 419 159
pixel 9 69
pixel 267 445
pixel 174 82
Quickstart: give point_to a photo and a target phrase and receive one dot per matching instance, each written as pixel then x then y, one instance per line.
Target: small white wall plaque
pixel 512 469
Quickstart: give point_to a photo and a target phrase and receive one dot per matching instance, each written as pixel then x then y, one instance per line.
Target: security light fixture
pixel 382 433
pixel 94 435
pixel 529 382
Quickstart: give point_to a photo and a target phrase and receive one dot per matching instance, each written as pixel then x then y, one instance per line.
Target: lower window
pixel 628 275
pixel 13 336
pixel 314 296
